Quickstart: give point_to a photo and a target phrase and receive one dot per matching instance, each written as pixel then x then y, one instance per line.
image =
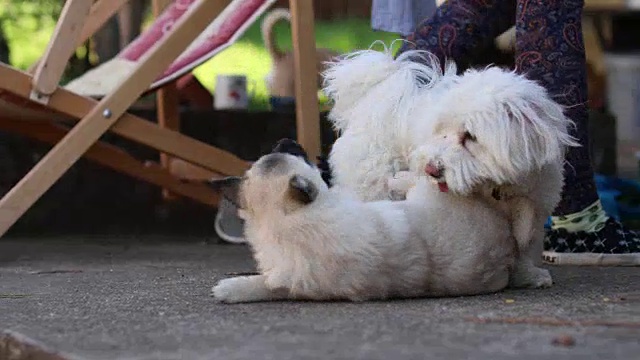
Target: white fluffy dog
pixel 488 134
pixel 316 243
pixel 372 98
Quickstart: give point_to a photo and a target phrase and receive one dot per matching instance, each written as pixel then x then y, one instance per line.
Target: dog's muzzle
pixel 433 171
pixel 437 173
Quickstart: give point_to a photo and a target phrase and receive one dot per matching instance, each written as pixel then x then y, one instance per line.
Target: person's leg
pixel 460 30
pixel 550 50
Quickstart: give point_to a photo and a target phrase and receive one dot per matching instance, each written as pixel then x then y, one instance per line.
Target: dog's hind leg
pixel 246 289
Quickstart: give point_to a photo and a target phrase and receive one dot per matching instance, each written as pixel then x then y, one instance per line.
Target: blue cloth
pixel 620 197
pixel 400 16
pixel 611 191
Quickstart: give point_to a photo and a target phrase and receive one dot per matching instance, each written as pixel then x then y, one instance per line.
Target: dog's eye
pixel 467 136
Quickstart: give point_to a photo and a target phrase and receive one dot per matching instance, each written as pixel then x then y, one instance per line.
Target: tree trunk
pixel 107 41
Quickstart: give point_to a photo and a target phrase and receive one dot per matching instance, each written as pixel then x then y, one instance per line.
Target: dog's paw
pixel 400 184
pixel 232 290
pixel 532 278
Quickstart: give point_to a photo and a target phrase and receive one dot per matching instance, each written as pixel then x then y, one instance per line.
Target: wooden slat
pixel 114 158
pixel 101 11
pixel 129 126
pixel 304 50
pixel 28 190
pixel 167 102
pixel 168 118
pixel 61 46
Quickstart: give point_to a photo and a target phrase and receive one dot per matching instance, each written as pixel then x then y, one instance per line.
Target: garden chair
pixel 186 34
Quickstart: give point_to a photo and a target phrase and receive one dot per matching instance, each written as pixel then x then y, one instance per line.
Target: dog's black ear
pixel 302 189
pixel 291 147
pixel 286 145
pixel 229 187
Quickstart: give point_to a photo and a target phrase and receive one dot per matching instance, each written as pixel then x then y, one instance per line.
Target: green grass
pixel 247 56
pixel 27 35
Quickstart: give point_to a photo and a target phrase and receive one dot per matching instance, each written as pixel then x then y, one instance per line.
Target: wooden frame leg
pixel 304 51
pixel 105 114
pixel 167 103
pixel 60 47
pixel 168 118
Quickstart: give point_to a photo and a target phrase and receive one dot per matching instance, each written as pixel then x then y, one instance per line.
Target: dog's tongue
pixel 443 187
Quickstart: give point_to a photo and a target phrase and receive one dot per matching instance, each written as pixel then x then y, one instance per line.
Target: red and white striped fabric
pixel 221 33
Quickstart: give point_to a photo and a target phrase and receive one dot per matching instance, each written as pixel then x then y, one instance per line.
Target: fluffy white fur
pixel 487 132
pixel 315 243
pixel 372 95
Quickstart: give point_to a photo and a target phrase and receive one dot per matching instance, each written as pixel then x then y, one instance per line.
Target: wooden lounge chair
pixel 187 33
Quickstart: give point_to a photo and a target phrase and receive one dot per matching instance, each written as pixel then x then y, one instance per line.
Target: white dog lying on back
pixel 316 243
pixel 489 134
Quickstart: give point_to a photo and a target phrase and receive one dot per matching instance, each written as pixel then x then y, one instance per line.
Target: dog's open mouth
pixel 437 176
pixel 442 185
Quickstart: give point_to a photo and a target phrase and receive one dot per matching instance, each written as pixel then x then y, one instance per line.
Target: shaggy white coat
pixel 490 134
pixel 315 243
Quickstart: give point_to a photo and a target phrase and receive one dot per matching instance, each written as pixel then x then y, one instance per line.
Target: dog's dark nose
pixel 433 171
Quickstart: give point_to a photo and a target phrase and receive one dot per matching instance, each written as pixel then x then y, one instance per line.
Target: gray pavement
pixel 148 298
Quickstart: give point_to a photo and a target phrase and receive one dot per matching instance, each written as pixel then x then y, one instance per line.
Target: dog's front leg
pixel 246 289
pixel 526 273
pixel 523 217
pixel 529 232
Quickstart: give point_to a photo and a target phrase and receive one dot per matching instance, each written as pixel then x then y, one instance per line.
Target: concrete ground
pixel 148 298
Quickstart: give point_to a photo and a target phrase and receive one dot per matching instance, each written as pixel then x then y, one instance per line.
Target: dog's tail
pixel 273 17
pixel 371 84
